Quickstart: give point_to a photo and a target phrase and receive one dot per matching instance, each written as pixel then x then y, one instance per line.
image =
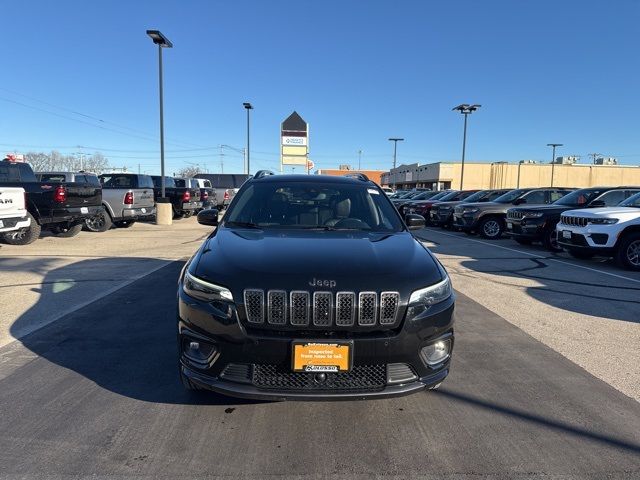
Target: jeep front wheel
pixel 628 252
pixel 491 228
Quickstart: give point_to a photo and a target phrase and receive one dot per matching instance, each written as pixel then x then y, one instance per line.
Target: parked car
pixel 127 198
pixel 207 194
pixel 488 219
pixel 283 302
pixel 415 196
pixel 184 200
pixel 13 209
pixel 538 223
pixel 423 206
pixel 442 212
pixel 60 207
pixel 225 185
pixel 387 190
pixel 59 177
pixel 610 232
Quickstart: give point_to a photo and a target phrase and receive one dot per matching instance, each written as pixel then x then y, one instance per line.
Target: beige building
pixel 443 175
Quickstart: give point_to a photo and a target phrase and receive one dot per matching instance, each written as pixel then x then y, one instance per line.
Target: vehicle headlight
pixel 603 221
pixel 424 298
pixel 533 214
pixel 205 291
pixel 470 210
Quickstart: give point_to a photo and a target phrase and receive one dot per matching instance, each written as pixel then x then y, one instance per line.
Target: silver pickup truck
pixel 127 197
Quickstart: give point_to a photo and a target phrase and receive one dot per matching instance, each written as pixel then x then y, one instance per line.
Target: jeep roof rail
pixel 263 173
pixel 358 175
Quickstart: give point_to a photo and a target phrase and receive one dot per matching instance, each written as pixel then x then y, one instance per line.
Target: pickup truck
pixel 60 207
pixel 609 232
pixel 127 198
pixel 226 185
pixel 207 194
pixel 80 177
pixel 192 202
pixel 185 200
pixel 13 209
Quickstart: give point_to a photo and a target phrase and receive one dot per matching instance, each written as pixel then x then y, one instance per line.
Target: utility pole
pixel 359 158
pixel 138 169
pixel 553 157
pixel 594 156
pixel 221 159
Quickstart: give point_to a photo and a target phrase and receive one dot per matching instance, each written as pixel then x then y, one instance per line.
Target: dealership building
pixel 566 173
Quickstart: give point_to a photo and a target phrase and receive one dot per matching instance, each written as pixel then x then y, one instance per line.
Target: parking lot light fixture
pixel 465 109
pixel 162 42
pixel 248 107
pixel 553 157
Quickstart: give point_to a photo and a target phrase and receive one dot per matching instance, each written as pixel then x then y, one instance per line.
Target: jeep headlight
pixel 470 210
pixel 603 221
pixel 424 298
pixel 205 291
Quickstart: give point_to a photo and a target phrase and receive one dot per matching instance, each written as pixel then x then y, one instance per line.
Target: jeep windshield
pixel 633 201
pixel 579 198
pixel 318 205
pixel 510 196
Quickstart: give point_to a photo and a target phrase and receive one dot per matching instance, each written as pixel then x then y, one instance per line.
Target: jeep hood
pixel 614 212
pixel 289 260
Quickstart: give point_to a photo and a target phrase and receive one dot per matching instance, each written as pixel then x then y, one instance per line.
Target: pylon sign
pixel 294 141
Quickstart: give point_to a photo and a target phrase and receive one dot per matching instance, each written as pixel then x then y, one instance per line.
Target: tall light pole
pixel 248 107
pixel 465 109
pixel 162 42
pixel 395 152
pixel 553 157
pixel 359 158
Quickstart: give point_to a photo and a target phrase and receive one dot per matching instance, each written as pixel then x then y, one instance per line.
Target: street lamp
pixel 248 107
pixel 162 42
pixel 553 157
pixel 395 151
pixel 465 109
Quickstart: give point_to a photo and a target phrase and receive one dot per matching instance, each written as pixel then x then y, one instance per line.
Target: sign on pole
pixel 294 141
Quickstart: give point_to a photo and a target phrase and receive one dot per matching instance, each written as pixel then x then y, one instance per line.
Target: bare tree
pixel 190 171
pixel 55 161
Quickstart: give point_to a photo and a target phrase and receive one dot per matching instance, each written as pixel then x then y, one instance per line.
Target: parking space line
pixel 615 275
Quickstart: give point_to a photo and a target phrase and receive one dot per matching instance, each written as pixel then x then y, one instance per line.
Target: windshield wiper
pixel 243 224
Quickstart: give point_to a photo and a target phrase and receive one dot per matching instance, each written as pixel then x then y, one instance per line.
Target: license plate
pixel 321 357
pixel 143 210
pixel 509 226
pixel 566 234
pixel 84 210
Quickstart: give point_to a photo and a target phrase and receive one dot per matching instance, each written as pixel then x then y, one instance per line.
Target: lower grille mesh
pixel 280 377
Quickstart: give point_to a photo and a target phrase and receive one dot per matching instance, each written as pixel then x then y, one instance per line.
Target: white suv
pixel 612 232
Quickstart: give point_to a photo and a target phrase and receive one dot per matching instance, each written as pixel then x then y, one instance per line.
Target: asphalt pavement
pixel 96 394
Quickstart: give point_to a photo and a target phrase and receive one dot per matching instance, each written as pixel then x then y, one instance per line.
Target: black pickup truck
pixel 60 207
pixel 184 199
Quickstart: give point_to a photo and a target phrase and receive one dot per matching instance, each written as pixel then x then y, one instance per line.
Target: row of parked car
pixel 64 203
pixel 586 222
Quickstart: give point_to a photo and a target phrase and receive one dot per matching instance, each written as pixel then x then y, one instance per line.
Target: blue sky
pixel 357 71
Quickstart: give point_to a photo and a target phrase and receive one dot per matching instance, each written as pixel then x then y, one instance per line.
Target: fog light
pixel 200 353
pixel 436 353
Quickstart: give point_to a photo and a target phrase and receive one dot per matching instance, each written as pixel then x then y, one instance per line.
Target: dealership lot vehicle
pixel 13 209
pixel 207 194
pixel 441 213
pixel 611 232
pixel 127 198
pixel 60 207
pixel 401 203
pixel 423 206
pixel 226 185
pixel 538 223
pixel 347 304
pixel 488 219
pixel 59 177
pixel 183 196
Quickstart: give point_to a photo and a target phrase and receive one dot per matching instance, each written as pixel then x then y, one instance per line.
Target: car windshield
pixel 633 201
pixel 447 196
pixel 579 197
pixel 424 195
pixel 474 197
pixel 313 205
pixel 510 196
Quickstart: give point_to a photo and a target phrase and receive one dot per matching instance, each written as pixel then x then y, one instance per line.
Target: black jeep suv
pixel 538 223
pixel 313 287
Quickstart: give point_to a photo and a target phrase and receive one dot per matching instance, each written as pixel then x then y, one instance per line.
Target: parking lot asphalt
pixel 120 257
pixel 589 311
pixel 97 394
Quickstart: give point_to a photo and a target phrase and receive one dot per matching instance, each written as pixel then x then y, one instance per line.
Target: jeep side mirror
pixel 597 204
pixel 208 217
pixel 414 221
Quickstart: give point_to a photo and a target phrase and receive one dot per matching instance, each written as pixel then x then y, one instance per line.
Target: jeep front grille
pixel 300 308
pixel 574 221
pixel 514 214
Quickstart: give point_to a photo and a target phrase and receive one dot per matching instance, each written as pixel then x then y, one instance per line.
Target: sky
pixel 84 73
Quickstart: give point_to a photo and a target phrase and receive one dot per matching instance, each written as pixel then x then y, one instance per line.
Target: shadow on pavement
pixel 124 342
pixel 572 289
